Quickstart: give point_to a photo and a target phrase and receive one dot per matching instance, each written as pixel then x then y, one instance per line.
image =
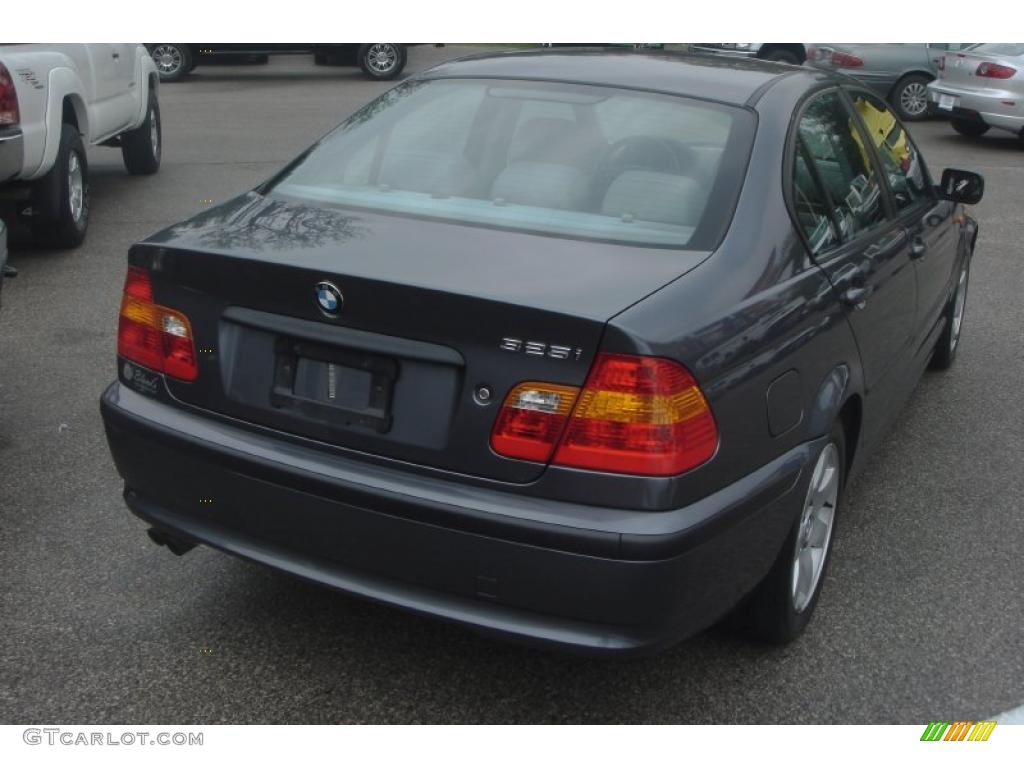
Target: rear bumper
pixel 11 153
pixel 985 106
pixel 593 579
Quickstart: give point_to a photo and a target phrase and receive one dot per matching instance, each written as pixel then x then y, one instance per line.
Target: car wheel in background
pixel 173 60
pixel 781 605
pixel 969 127
pixel 60 199
pixel 142 147
pixel 910 97
pixel 382 61
pixel 782 55
pixel 949 341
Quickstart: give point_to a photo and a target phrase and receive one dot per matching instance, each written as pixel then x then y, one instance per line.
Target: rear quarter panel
pixel 755 310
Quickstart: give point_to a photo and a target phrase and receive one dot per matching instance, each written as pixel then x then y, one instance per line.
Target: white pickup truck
pixel 54 101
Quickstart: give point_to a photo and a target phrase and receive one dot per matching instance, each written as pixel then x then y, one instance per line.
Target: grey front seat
pixel 550 160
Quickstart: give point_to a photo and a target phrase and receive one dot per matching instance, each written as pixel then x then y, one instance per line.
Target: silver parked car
pixel 982 88
pixel 899 72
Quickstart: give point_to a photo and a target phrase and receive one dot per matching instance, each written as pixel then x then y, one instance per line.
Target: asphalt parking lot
pixel 922 616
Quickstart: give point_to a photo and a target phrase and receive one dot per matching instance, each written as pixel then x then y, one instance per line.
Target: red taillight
pixel 846 60
pixel 532 419
pixel 634 415
pixel 9 114
pixel 998 71
pixel 154 336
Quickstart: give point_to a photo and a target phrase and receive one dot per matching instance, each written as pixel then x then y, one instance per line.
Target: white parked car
pixel 982 88
pixel 55 100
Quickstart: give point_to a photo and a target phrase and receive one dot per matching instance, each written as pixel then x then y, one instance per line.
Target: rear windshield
pixel 1000 49
pixel 568 160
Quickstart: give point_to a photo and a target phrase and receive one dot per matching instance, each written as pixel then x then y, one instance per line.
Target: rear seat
pixel 653 196
pixel 432 172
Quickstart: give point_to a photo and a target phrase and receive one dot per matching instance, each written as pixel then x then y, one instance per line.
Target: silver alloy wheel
pixel 914 99
pixel 76 188
pixel 382 57
pixel 958 310
pixel 815 533
pixel 168 59
pixel 154 133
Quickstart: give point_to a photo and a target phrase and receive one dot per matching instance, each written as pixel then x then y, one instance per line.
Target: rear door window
pixel 812 206
pixel 843 163
pixel 901 162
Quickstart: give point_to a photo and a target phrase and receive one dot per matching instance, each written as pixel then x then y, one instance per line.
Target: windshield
pixel 569 160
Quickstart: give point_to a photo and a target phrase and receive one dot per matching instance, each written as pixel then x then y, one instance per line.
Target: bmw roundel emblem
pixel 329 298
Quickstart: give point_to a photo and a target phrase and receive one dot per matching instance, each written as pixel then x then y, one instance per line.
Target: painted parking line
pixel 1012 717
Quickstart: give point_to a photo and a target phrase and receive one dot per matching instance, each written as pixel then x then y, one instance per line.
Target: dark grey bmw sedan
pixel 574 348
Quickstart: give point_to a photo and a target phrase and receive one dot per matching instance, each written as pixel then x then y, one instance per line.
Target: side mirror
pixel 962 186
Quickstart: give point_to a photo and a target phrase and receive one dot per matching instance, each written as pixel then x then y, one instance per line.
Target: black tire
pixel 770 614
pixel 173 60
pixel 142 147
pixel 949 342
pixel 782 55
pixel 910 98
pixel 969 127
pixel 382 61
pixel 60 212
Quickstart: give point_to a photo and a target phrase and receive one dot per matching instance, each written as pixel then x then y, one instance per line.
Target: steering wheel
pixel 648 152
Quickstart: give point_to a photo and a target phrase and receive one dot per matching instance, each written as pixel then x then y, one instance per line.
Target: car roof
pixel 722 78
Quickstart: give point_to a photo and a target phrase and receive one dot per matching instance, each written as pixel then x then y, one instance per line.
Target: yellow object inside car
pixel 886 133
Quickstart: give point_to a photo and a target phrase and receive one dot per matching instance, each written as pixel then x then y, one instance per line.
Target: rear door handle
pixel 918 248
pixel 855 298
pixel 116 55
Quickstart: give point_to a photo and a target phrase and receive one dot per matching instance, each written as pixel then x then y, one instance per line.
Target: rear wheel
pixel 949 341
pixel 173 60
pixel 60 199
pixel 910 97
pixel 781 606
pixel 382 61
pixel 141 148
pixel 969 127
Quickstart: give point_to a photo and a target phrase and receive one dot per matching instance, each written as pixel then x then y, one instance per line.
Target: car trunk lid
pixel 433 317
pixel 961 69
